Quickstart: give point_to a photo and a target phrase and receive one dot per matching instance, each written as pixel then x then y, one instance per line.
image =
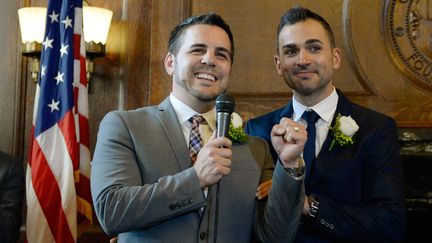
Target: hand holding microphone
pixel 224 108
pixel 214 159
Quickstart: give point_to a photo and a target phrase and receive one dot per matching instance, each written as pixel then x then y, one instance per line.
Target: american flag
pixel 58 186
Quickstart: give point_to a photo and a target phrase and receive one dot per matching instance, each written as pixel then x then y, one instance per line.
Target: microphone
pixel 224 108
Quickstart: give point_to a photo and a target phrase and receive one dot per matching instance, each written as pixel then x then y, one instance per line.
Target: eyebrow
pixel 312 41
pixel 198 45
pixel 220 49
pixel 308 42
pixel 289 46
pixel 223 49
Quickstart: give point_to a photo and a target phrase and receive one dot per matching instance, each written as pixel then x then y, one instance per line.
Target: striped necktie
pixel 195 140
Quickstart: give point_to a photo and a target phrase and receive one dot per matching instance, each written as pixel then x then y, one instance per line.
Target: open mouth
pixel 206 76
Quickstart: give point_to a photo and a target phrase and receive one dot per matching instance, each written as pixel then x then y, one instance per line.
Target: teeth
pixel 206 76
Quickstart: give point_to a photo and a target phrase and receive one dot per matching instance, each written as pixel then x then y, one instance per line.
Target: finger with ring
pixel 296 129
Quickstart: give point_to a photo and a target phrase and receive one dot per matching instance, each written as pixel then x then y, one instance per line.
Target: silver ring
pixel 296 129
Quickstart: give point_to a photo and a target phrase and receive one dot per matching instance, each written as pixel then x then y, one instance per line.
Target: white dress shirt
pixel 184 112
pixel 325 109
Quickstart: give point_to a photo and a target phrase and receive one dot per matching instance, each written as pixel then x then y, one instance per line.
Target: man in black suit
pixel 354 182
pixel 11 197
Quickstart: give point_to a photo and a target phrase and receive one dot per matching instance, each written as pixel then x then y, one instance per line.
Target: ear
pixel 278 64
pixel 169 63
pixel 337 55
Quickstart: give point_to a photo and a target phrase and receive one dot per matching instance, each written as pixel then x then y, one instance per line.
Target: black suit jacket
pixel 360 188
pixel 11 197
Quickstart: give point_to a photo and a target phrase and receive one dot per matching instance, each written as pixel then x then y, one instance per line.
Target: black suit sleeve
pixel 11 196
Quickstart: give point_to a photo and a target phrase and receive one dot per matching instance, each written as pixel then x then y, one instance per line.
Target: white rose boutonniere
pixel 235 132
pixel 343 131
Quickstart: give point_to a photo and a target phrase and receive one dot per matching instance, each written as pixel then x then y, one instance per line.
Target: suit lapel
pixel 286 112
pixel 325 157
pixel 173 131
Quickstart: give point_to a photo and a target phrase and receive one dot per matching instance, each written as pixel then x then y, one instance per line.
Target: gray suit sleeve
pixel 280 220
pixel 123 199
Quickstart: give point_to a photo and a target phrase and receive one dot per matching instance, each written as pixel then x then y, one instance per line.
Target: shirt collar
pixel 325 109
pixel 184 112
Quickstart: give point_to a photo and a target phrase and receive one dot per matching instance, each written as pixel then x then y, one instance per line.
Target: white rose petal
pixel 236 120
pixel 348 126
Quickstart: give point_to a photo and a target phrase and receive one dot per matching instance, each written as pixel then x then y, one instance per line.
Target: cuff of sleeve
pixel 296 173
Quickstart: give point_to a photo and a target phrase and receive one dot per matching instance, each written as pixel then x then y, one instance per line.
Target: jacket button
pixel 203 235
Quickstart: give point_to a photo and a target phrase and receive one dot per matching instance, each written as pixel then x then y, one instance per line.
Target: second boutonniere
pixel 343 131
pixel 236 132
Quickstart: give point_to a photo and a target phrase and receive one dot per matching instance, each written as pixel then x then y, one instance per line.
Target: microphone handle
pixel 223 120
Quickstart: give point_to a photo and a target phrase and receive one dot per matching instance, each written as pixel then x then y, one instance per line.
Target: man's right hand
pixel 213 161
pixel 288 139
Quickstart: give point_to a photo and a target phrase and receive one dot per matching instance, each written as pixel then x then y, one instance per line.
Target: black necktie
pixel 311 118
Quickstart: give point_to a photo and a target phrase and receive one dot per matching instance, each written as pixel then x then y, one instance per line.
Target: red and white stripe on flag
pixel 58 172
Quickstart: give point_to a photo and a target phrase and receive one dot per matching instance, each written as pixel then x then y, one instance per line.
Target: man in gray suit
pixel 145 187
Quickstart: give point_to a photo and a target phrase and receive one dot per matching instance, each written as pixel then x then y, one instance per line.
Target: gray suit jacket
pixel 145 190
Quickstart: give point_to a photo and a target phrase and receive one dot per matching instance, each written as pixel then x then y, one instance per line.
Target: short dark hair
pixel 298 14
pixel 208 19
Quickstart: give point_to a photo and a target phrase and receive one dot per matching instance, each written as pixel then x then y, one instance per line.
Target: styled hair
pixel 177 33
pixel 299 14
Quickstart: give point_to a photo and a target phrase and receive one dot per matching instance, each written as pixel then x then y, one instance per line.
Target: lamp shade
pixel 32 24
pixel 96 24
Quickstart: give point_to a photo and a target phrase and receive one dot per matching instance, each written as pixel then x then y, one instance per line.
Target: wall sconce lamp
pixel 96 23
pixel 32 25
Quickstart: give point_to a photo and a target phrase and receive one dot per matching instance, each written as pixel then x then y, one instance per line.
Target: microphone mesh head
pixel 225 103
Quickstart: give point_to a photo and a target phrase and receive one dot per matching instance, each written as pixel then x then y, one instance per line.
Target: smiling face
pixel 306 60
pixel 202 66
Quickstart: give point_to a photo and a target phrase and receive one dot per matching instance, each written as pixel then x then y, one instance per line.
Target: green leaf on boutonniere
pixel 343 131
pixel 235 131
pixel 237 134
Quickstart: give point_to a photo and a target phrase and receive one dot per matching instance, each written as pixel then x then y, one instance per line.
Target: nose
pixel 303 58
pixel 208 59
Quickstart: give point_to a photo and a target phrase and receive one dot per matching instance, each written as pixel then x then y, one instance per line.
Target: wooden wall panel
pixel 132 74
pixel 106 86
pixel 255 82
pixel 165 15
pixel 368 75
pixel 121 78
pixel 10 80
